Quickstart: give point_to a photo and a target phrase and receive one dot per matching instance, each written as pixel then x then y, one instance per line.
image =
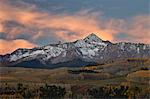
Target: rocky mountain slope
pixel 88 51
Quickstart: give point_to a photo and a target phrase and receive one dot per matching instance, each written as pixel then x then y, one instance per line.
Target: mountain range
pixel 88 51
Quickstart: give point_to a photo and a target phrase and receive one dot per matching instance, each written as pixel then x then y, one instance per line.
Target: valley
pixel 127 72
pixel 110 73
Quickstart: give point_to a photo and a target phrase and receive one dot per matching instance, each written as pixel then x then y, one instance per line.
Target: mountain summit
pixel 93 38
pixel 88 51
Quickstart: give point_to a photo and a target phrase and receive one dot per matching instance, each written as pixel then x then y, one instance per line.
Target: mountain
pixel 88 51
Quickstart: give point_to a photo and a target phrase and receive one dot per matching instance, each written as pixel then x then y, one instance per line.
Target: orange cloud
pixel 7 46
pixel 81 23
pixel 1 27
pixel 139 29
pixel 79 26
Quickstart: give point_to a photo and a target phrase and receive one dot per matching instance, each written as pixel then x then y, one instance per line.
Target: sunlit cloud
pixel 139 29
pixel 81 23
pixel 7 46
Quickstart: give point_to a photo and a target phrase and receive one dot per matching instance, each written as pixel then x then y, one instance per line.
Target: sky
pixel 32 23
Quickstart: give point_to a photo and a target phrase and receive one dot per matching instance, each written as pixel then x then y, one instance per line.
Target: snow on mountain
pixel 89 52
pixel 90 45
pixel 47 52
pixel 27 54
pixel 92 38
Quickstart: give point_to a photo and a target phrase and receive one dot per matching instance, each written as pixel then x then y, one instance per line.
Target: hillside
pixel 116 72
pixel 123 67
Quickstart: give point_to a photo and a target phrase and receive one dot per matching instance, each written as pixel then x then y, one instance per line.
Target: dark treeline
pixel 81 71
pixel 45 91
pixel 119 92
pixel 83 91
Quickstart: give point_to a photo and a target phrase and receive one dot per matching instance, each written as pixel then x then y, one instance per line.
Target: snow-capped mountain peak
pixel 92 38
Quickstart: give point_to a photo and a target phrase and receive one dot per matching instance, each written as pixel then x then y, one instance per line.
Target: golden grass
pixel 141 73
pixel 142 76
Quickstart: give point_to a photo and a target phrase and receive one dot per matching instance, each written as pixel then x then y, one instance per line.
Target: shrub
pixel 52 91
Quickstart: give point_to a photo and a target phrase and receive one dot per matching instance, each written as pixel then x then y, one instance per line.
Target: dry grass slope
pixel 116 72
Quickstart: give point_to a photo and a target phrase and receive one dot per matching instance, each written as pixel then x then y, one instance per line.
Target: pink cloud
pixel 81 23
pixel 7 46
pixel 139 29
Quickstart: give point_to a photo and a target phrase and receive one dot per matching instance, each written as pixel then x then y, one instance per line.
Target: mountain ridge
pixel 90 50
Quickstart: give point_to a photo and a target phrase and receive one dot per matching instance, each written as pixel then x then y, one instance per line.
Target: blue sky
pixel 110 8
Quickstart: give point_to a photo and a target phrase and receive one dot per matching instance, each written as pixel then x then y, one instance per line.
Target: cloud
pixel 80 23
pixel 7 46
pixel 79 26
pixel 33 22
pixel 21 19
pixel 38 35
pixel 139 29
pixel 14 16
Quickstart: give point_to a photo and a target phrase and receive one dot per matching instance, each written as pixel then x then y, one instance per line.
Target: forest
pixel 74 92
